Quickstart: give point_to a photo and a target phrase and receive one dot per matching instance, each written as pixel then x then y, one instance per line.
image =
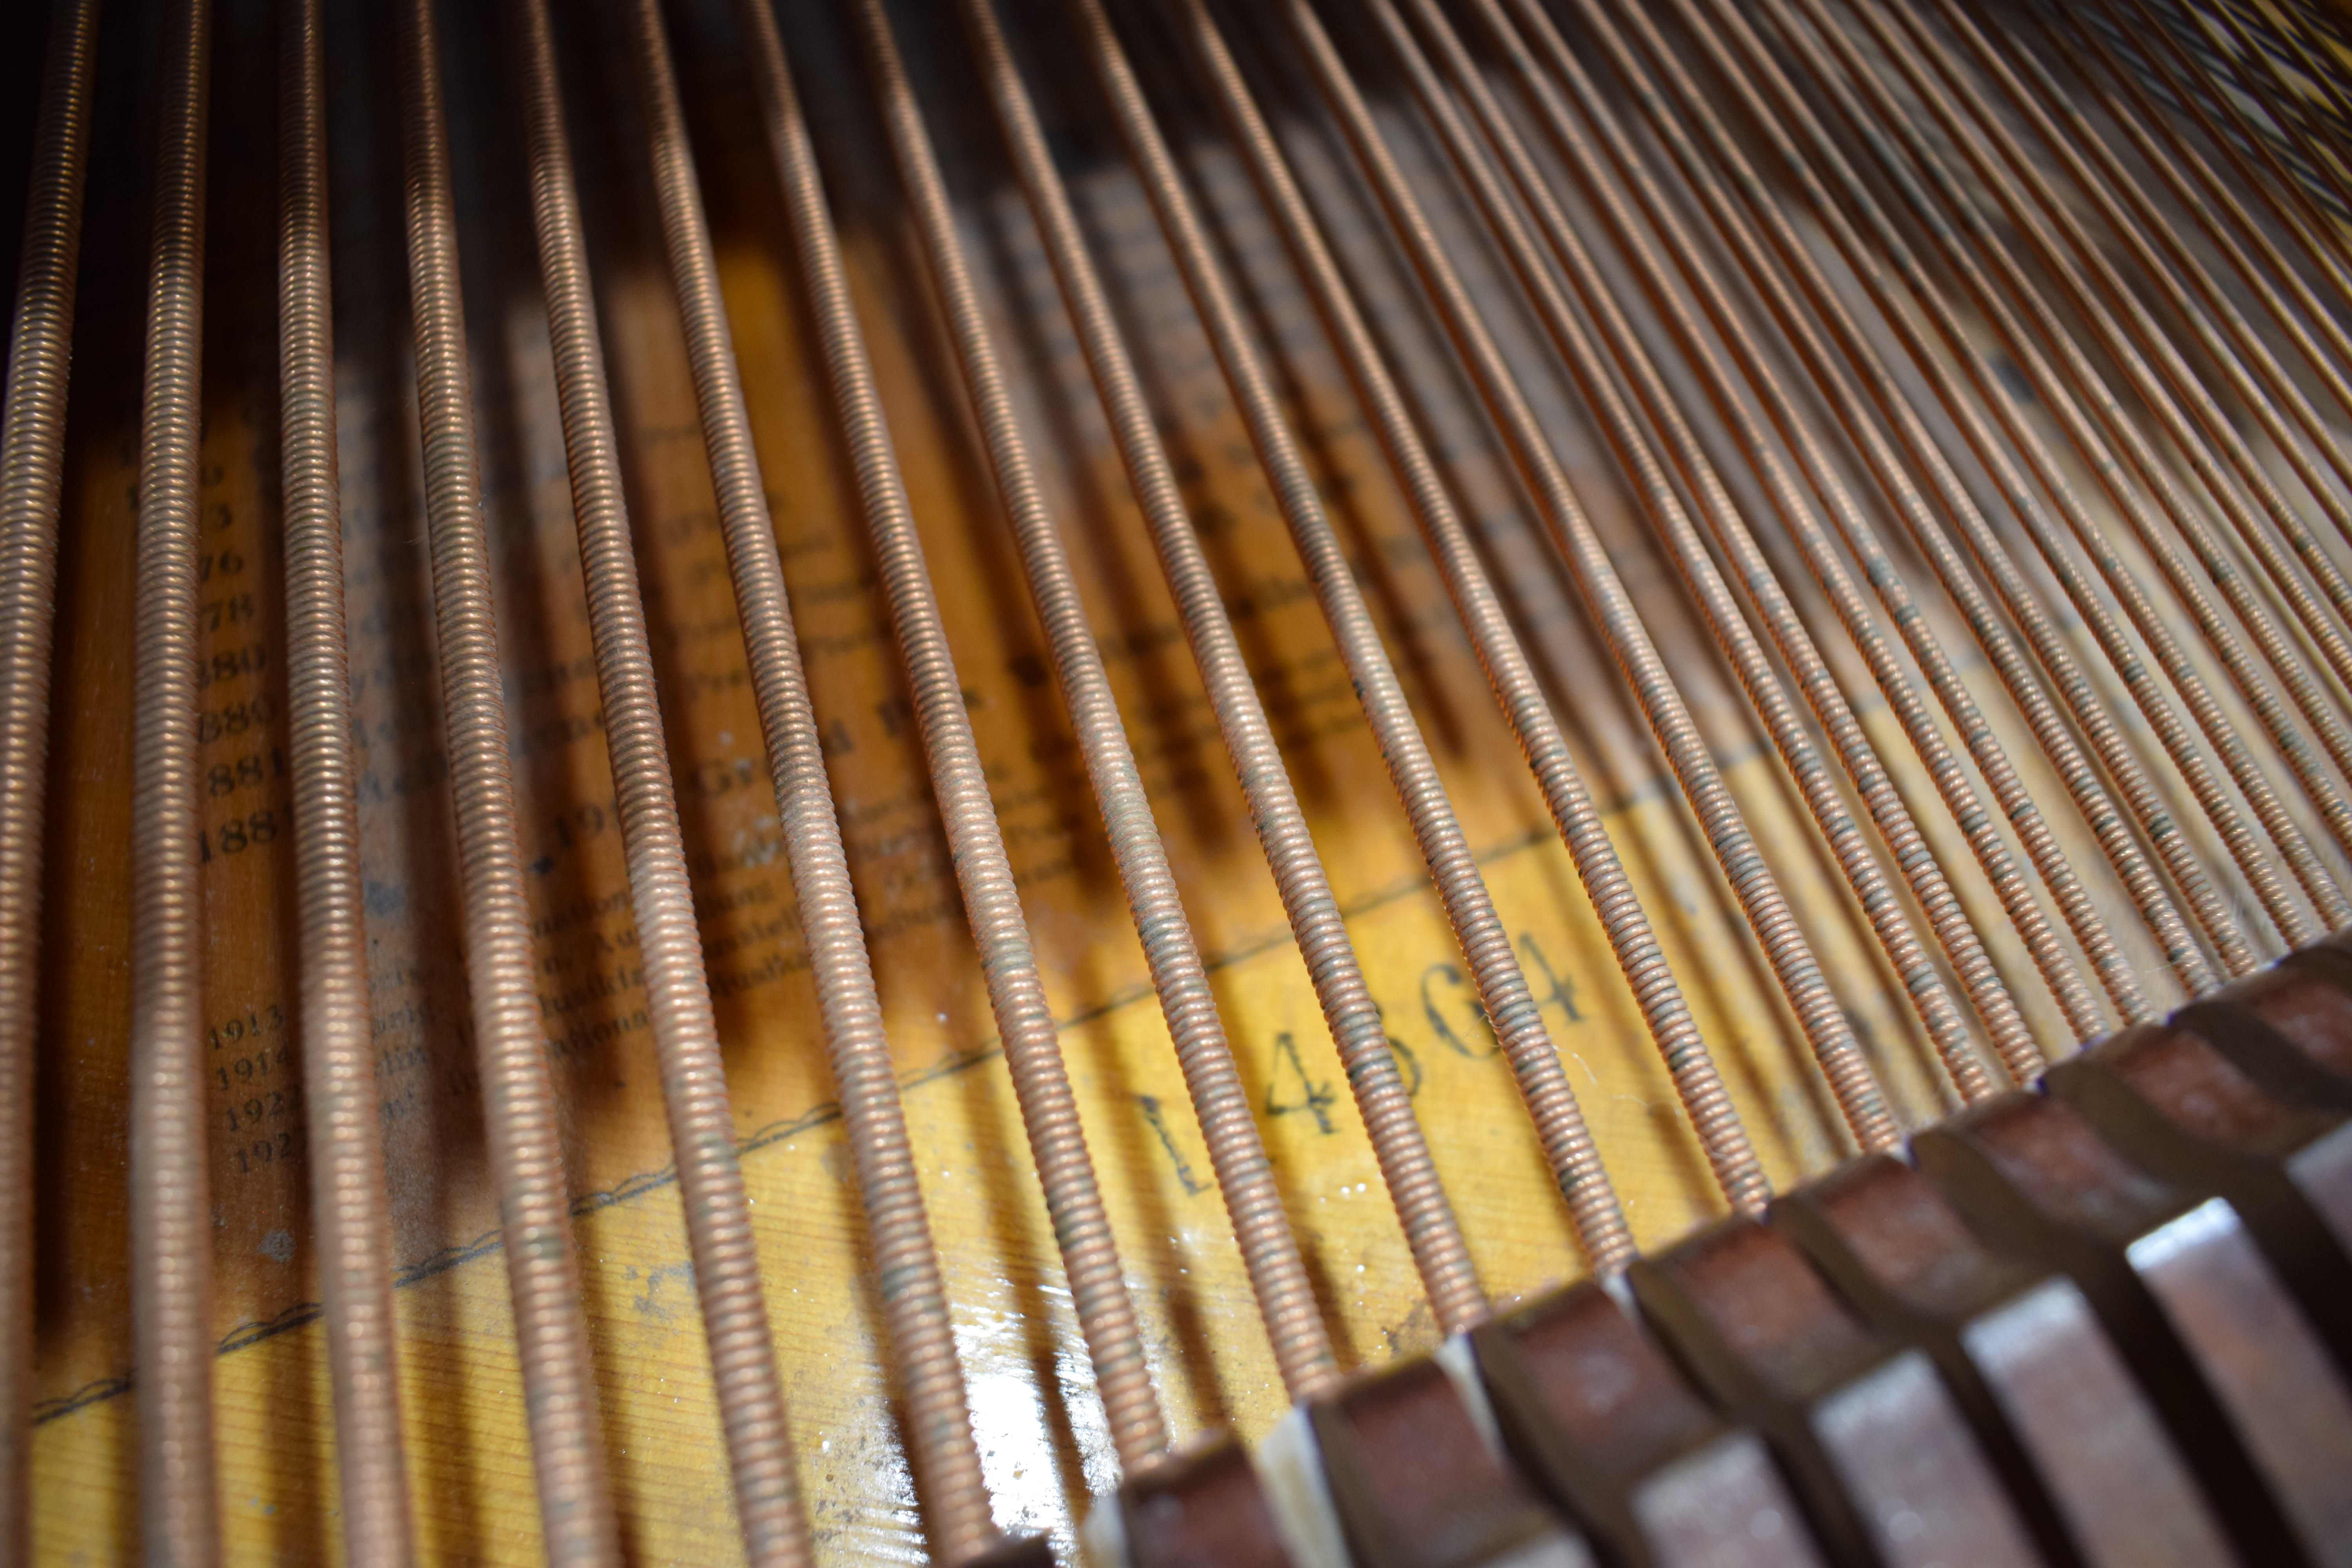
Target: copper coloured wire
pixel 2250 247
pixel 1763 259
pixel 2294 109
pixel 2296 31
pixel 1738 335
pixel 526 1149
pixel 170 1216
pixel 2252 253
pixel 171 1203
pixel 661 898
pixel 2144 231
pixel 2304 34
pixel 2283 192
pixel 1639 954
pixel 1503 997
pixel 2166 384
pixel 2324 629
pixel 349 1204
pixel 2279 103
pixel 2027 347
pixel 2243 349
pixel 1440 1253
pixel 1708 590
pixel 2011 1040
pixel 2308 226
pixel 1823 1022
pixel 914 1298
pixel 2026 351
pixel 1992 152
pixel 2011 1037
pixel 2064 390
pixel 2074 903
pixel 1277 1272
pixel 2083 379
pixel 2320 626
pixel 32 460
pixel 1016 991
pixel 2260 866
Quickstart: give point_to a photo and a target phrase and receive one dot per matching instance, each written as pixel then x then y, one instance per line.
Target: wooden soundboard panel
pixel 1039 1424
